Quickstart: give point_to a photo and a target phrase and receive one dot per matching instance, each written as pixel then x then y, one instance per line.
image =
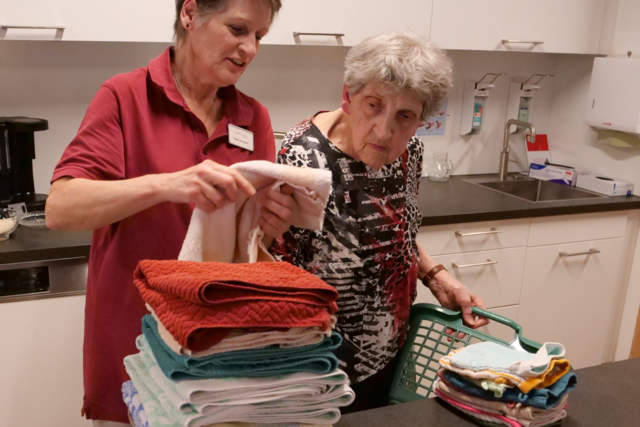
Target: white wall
pixel 57 80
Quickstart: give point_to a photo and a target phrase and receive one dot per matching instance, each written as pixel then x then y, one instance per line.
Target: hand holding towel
pixel 232 234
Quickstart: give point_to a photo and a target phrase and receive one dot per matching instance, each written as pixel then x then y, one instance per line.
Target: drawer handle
pixel 589 252
pixel 505 41
pixel 296 34
pixel 479 264
pixel 28 27
pixel 494 230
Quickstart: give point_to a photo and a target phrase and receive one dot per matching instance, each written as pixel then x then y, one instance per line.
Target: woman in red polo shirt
pixel 154 143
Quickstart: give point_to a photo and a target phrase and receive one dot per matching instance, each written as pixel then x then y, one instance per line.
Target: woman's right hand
pixel 208 185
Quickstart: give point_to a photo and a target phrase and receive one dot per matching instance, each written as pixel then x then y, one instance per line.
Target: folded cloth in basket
pixel 199 327
pixel 241 339
pixel 232 234
pixel 216 283
pixel 488 360
pixel 493 417
pixel 545 398
pixel 161 412
pixel 317 358
pixel 516 411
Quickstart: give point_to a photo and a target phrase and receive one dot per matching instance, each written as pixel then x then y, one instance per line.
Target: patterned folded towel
pixel 545 398
pixel 317 358
pixel 488 360
pixel 241 339
pixel 216 283
pixel 198 327
pixel 137 415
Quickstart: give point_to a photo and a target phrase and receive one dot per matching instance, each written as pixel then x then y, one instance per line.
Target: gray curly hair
pixel 402 61
pixel 207 7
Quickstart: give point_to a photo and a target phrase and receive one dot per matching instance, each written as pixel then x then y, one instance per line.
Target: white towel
pixel 240 340
pixel 232 234
pixel 166 404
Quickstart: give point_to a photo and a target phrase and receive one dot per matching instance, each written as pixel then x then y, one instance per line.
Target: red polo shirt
pixel 139 124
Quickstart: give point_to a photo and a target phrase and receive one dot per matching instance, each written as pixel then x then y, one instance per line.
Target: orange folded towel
pixel 179 302
pixel 214 283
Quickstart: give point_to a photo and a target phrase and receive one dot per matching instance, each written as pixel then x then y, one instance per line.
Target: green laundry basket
pixel 428 340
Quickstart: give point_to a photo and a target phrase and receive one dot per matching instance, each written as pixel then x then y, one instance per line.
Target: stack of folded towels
pixel 248 343
pixel 498 385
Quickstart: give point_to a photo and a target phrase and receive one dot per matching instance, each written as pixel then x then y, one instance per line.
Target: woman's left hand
pixel 453 295
pixel 275 217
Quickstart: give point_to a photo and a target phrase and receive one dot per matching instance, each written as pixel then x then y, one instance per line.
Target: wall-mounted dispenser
pixel 520 102
pixel 474 103
pixel 614 95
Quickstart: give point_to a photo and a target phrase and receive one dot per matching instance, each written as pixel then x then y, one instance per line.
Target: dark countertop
pixel 32 244
pixel 456 201
pixel 606 395
pixel 448 202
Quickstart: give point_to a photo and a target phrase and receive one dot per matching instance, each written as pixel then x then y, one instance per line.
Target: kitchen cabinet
pixel 568 26
pixel 115 20
pixel 41 367
pixel 356 19
pixel 560 277
pixel 569 299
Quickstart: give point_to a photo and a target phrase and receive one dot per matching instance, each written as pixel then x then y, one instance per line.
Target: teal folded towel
pixel 263 362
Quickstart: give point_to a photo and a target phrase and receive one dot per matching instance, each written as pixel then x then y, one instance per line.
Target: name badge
pixel 240 137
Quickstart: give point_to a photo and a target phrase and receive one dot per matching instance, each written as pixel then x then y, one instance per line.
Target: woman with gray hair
pixel 154 143
pixel 367 248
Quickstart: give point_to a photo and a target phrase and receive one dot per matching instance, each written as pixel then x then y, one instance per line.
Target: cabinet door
pixel 356 19
pixel 570 299
pixel 115 20
pixel 565 26
pixel 497 283
pixel 41 369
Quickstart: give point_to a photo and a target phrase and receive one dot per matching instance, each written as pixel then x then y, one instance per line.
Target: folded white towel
pixel 239 340
pixel 324 409
pixel 232 234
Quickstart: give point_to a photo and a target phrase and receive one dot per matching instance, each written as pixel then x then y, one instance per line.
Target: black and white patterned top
pixel 366 249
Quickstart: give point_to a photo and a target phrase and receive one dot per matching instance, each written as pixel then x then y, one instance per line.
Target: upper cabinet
pixel 82 20
pixel 346 22
pixel 556 26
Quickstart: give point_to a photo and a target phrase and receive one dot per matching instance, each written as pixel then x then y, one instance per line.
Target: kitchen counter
pixel 456 201
pixel 451 202
pixel 606 395
pixel 33 244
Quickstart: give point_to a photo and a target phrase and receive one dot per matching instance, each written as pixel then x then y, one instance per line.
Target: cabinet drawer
pixel 577 228
pixel 474 236
pixel 497 284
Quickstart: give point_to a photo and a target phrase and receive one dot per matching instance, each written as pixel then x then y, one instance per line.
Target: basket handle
pixel 497 318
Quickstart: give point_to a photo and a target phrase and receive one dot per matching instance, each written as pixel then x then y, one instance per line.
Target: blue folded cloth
pixel 134 404
pixel 263 362
pixel 544 398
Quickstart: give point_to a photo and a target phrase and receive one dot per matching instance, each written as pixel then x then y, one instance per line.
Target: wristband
pixel 435 270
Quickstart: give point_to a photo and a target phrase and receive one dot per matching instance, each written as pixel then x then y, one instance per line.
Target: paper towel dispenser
pixel 614 95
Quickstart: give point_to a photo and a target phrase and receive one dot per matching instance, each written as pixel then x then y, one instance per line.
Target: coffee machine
pixel 17 152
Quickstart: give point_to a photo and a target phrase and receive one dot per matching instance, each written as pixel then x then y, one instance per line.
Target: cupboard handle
pixel 479 264
pixel 29 27
pixel 296 34
pixel 493 230
pixel 505 41
pixel 589 252
pixel 279 135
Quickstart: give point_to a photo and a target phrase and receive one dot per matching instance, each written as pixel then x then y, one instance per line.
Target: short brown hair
pixel 206 7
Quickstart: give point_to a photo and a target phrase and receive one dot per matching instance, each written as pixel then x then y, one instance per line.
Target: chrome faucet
pixel 504 152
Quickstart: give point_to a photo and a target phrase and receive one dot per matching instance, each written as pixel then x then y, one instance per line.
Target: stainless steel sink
pixel 533 190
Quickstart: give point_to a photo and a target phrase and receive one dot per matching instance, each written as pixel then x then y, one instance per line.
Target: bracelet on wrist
pixel 430 276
